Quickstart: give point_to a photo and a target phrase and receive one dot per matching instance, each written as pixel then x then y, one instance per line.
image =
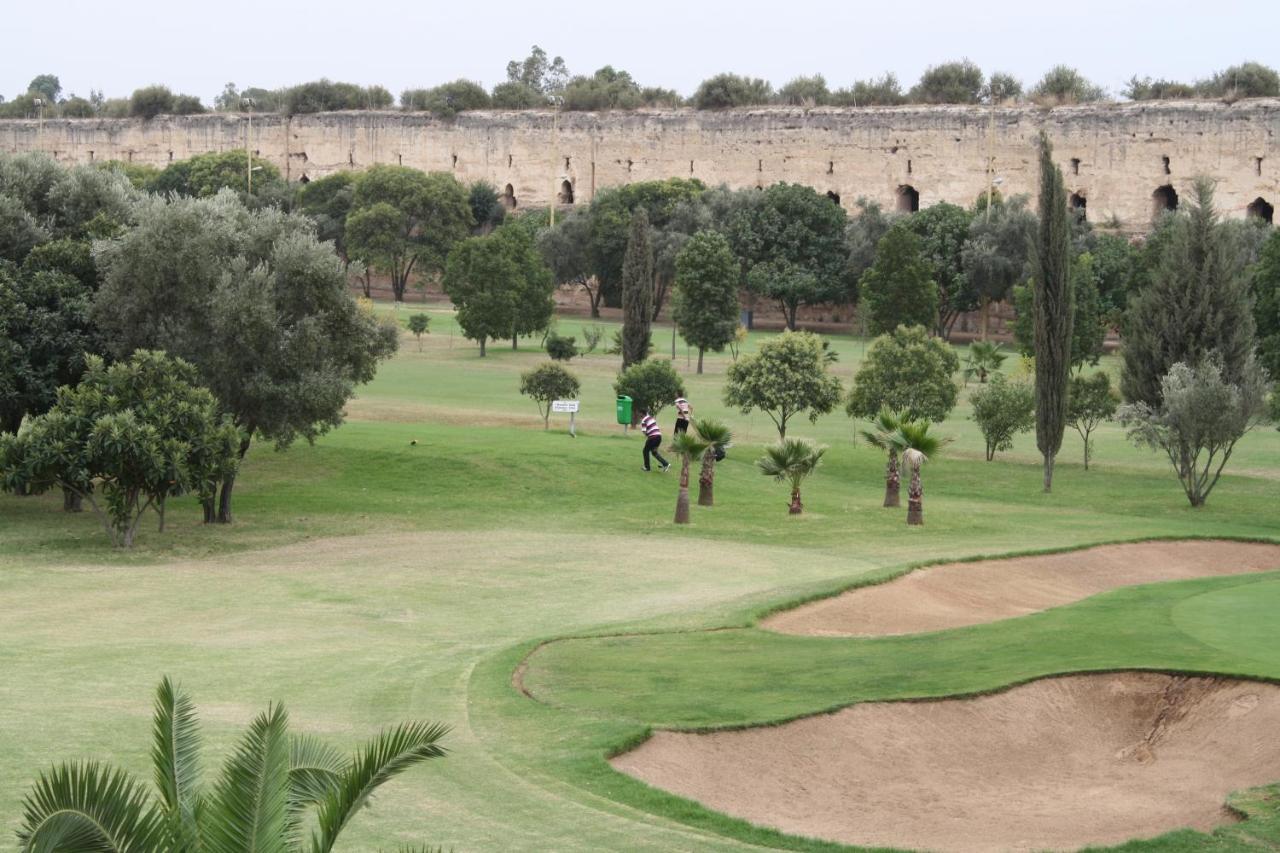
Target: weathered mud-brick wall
pixel 1121 161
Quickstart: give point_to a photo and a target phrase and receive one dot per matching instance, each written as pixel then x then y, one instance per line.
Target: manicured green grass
pixel 369 580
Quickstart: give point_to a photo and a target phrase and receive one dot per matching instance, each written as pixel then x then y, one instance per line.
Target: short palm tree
pixel 883 426
pixel 916 445
pixel 791 460
pixel 718 437
pixel 262 800
pixel 984 359
pixel 689 446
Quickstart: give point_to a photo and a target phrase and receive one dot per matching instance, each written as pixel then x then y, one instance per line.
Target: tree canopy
pixel 788 376
pixel 906 371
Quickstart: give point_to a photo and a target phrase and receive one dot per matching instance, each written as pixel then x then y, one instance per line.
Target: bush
pixel 325 96
pixel 516 96
pixel 546 383
pixel 591 336
pixel 418 324
pixel 1090 402
pixel 560 348
pixel 1002 410
pixel 731 90
pixel 150 101
pixel 650 384
pixel 906 371
pixel 1065 85
pixel 447 99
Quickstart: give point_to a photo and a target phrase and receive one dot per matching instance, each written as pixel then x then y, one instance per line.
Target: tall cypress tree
pixel 1195 302
pixel 637 291
pixel 1053 310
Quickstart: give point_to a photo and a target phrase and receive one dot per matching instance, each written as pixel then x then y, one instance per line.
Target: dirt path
pixel 957 594
pixel 1056 764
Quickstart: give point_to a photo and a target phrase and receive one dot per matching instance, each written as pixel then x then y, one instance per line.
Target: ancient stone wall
pixel 1121 161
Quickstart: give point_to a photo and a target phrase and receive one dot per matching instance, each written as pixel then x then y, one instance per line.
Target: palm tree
pixel 260 802
pixel 688 446
pixel 718 437
pixel 883 426
pixel 913 441
pixel 984 358
pixel 791 459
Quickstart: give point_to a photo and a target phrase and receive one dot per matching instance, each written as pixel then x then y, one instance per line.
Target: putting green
pixel 1240 621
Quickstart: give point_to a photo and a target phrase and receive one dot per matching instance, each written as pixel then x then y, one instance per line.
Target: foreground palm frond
pixel 87 807
pixel 883 426
pixel 175 754
pixel 714 432
pixel 689 445
pixel 792 459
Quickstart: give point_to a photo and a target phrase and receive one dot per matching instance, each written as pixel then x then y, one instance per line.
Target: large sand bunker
pixel 1058 763
pixel 957 594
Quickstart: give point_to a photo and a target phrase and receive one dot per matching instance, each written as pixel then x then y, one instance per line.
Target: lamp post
pixel 248 151
pixel 556 100
pixel 39 102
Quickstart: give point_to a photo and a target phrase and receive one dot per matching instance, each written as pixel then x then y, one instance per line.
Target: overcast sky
pixel 195 48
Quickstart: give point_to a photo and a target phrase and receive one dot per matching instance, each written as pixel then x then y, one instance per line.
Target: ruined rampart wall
pixel 1115 157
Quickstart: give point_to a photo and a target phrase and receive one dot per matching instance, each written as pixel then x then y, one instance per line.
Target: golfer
pixel 684 413
pixel 652 440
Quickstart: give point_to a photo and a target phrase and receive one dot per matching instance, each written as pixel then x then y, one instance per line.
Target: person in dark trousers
pixel 652 440
pixel 684 413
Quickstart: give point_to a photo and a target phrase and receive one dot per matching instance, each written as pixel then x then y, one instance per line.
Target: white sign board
pixel 564 405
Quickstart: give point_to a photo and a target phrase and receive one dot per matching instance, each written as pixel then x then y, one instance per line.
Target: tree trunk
pixel 482 347
pixel 796 507
pixel 398 287
pixel 71 501
pixel 682 500
pixel 1048 472
pixel 228 483
pixel 986 311
pixel 160 509
pixel 915 499
pixel 515 344
pixel 210 511
pixel 892 481
pixel 700 351
pixel 706 478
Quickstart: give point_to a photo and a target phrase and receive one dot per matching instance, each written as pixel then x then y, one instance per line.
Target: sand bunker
pixel 1055 764
pixel 957 594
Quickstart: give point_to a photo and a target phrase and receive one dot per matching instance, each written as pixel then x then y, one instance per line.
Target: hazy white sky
pixel 197 47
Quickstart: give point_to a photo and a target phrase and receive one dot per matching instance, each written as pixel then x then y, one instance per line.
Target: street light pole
pixel 39 102
pixel 248 151
pixel 555 155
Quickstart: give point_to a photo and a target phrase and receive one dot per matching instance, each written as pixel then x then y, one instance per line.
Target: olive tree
pixel 1201 416
pixel 908 372
pixel 786 377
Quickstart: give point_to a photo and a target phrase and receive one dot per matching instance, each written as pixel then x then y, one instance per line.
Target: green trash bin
pixel 624 410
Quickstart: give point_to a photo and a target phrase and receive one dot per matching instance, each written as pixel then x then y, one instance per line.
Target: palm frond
pixel 87 807
pixel 715 432
pixel 315 769
pixel 688 444
pixel 914 435
pixel 790 459
pixel 391 753
pixel 883 425
pixel 249 806
pixel 175 752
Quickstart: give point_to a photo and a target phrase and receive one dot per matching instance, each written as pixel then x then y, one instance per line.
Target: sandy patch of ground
pixel 1055 764
pixel 958 594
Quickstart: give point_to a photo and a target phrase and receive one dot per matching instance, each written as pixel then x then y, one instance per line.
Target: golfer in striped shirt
pixel 652 440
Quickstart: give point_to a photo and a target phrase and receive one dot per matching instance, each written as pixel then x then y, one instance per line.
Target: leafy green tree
pixel 207 174
pixel 607 89
pixel 949 83
pixel 254 301
pixel 791 243
pixel 995 254
pixel 534 302
pixel 516 96
pixel 150 101
pixel 898 289
pixel 323 95
pixel 863 235
pixel 447 99
pixel 486 208
pixel 690 446
pixel 1090 401
pixel 805 92
pixel 133 434
pixel 566 249
pixel 544 75
pixel 546 383
pixel 69 257
pixel 403 220
pixel 272 786
pixel 1200 417
pixel 1065 85
pixel 883 92
pixel 419 324
pixel 1002 88
pixel 1248 80
pixel 1089 323
pixel 916 446
pixel 483 280
pixel 905 371
pixel 706 298
pixel 1002 410
pixel 1054 310
pixel 791 460
pixel 943 230
pixel 787 376
pixel 1196 302
pixel 76 107
pixel 880 436
pixel 45 334
pixel 1114 262
pixel 637 292
pixel 20 232
pixel 1146 89
pixel 719 438
pixel 327 201
pixel 46 86
pixel 652 385
pixel 724 91
pixel 1264 282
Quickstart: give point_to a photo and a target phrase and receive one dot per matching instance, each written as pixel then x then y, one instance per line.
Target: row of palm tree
pixel 272 787
pixel 909 445
pixel 708 441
